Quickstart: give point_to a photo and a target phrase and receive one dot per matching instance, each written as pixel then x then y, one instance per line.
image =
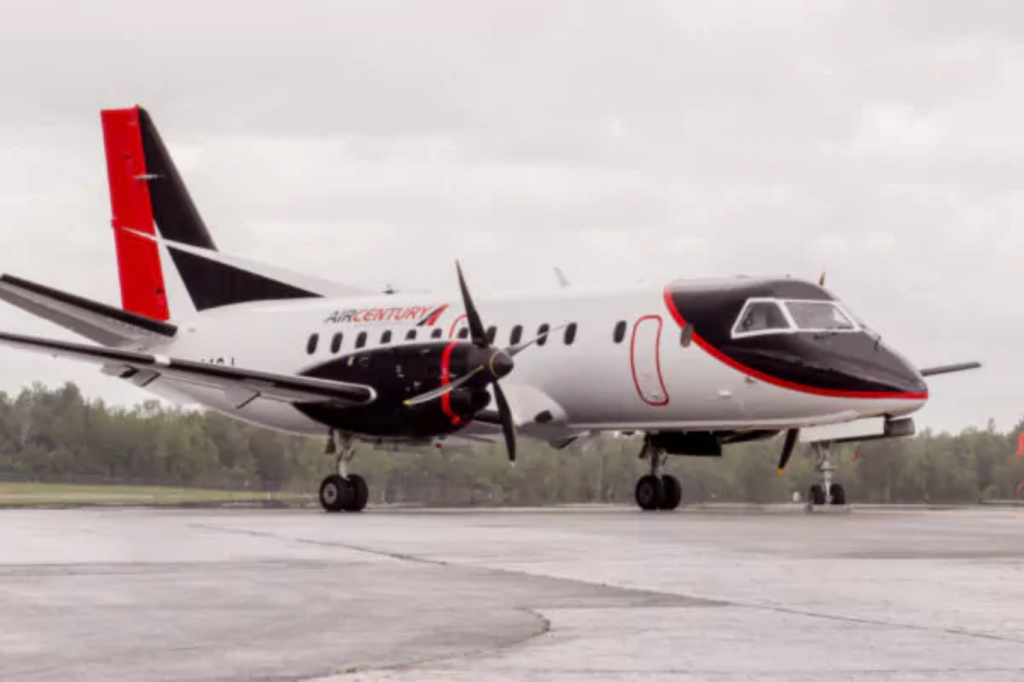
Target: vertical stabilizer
pixel 148 196
pixel 138 258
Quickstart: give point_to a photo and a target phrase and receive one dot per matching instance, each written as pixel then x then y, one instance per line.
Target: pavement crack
pixel 877 622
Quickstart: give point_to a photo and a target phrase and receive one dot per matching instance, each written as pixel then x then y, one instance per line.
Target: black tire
pixel 649 493
pixel 359 495
pixel 817 495
pixel 335 493
pixel 673 492
pixel 838 494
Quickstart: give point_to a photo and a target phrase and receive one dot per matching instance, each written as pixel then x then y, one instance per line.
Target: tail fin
pixel 146 191
pixel 138 259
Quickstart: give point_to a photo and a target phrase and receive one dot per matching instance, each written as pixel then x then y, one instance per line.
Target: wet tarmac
pixel 573 594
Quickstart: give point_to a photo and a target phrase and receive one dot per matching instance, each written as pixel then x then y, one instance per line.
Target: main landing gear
pixel 343 491
pixel 657 491
pixel 825 492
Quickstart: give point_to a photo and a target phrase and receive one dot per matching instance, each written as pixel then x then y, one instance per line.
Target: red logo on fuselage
pixel 420 315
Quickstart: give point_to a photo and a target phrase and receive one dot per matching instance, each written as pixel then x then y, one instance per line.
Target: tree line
pixel 56 435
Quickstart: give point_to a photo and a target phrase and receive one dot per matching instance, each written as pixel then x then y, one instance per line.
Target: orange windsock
pixel 1020 445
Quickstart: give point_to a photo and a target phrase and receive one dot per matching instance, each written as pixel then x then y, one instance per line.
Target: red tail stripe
pixel 138 258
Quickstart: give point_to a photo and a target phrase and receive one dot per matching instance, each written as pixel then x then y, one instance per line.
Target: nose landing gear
pixel 657 491
pixel 825 492
pixel 343 491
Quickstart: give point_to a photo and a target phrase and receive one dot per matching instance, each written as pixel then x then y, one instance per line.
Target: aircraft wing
pixel 948 369
pixel 96 321
pixel 242 386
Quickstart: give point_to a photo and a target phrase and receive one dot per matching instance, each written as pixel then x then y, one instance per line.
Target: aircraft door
pixel 645 349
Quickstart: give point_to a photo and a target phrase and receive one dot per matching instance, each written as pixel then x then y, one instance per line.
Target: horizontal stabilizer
pixel 95 321
pixel 273 281
pixel 240 385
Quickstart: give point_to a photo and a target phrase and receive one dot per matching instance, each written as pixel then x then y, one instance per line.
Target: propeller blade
pixel 476 326
pixel 787 448
pixel 441 390
pixel 508 427
pixel 520 347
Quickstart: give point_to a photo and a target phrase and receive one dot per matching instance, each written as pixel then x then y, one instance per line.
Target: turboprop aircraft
pixel 694 366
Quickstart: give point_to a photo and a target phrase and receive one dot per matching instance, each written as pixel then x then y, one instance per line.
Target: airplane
pixel 692 365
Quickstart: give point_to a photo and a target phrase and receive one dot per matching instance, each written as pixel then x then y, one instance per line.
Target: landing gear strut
pixel 343 491
pixel 657 491
pixel 825 492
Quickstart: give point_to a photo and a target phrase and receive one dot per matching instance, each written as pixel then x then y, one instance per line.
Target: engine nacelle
pixel 397 374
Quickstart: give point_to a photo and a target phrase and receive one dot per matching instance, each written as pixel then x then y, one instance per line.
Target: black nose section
pixel 843 364
pixel 878 368
pixel 905 377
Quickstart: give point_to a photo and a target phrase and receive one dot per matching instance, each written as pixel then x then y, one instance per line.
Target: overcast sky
pixel 374 142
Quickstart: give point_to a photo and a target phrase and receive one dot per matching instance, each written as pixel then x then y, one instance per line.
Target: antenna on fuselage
pixel 821 280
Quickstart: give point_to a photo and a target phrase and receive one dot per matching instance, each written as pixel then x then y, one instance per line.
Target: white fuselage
pixel 648 380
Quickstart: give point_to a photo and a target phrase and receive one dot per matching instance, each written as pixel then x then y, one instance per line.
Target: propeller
pixel 787 448
pixel 495 363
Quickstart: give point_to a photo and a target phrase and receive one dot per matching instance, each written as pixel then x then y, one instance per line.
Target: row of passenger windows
pixel 515 336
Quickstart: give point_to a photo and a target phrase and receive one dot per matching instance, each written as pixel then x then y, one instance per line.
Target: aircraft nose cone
pixel 501 364
pixel 915 381
pixel 902 376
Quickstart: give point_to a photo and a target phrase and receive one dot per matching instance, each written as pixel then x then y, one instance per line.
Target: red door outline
pixel 657 361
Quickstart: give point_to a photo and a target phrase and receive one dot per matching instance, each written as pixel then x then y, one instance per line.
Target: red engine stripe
pixel 138 258
pixel 776 381
pixel 446 378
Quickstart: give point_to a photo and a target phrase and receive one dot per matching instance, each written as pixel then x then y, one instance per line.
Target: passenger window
pixel 516 336
pixel 492 332
pixel 314 339
pixel 385 337
pixel 410 335
pixel 436 334
pixel 570 333
pixel 336 343
pixel 620 332
pixel 361 340
pixel 542 334
pixel 760 316
pixel 464 333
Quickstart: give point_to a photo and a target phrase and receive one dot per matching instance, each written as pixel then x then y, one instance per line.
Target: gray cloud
pixel 374 142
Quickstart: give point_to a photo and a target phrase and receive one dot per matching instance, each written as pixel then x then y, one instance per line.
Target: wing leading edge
pixel 242 386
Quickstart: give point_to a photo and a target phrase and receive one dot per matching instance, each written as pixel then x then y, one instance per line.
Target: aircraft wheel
pixel 673 492
pixel 650 492
pixel 817 495
pixel 360 493
pixel 838 494
pixel 335 493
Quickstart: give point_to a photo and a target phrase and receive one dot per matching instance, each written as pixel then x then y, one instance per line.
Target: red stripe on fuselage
pixel 138 258
pixel 776 381
pixel 446 378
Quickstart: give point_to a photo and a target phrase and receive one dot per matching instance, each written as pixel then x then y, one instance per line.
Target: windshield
pixel 819 315
pixel 761 316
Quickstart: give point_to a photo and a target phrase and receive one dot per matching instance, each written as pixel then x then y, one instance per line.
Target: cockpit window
pixel 760 317
pixel 819 316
